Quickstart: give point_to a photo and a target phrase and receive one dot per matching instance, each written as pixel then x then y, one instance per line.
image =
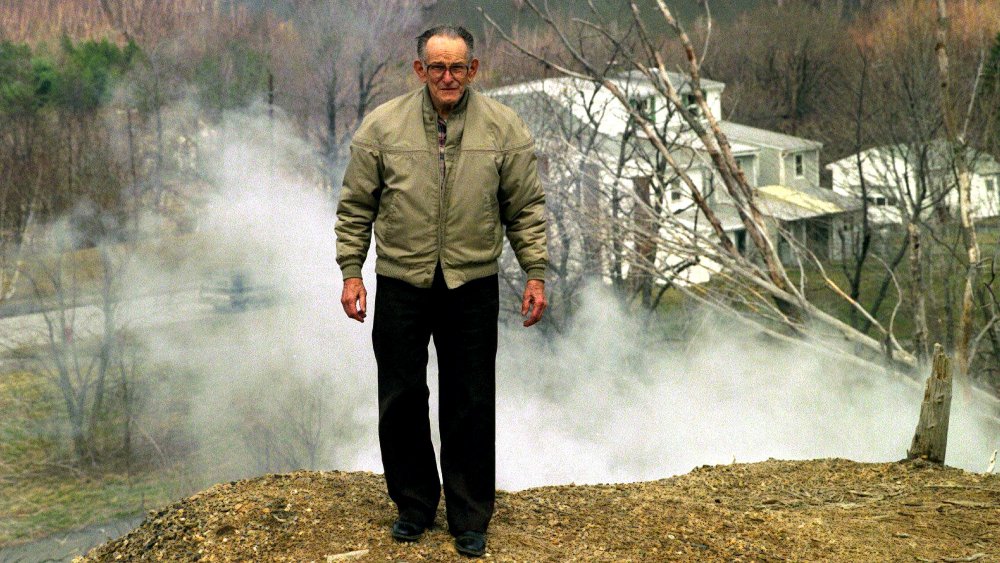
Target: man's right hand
pixel 354 299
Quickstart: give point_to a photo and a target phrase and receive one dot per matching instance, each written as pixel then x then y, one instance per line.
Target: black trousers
pixel 463 323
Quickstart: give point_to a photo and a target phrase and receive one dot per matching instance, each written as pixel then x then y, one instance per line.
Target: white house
pixel 915 175
pixel 577 120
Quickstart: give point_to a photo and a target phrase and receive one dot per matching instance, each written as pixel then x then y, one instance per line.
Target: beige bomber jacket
pixel 393 181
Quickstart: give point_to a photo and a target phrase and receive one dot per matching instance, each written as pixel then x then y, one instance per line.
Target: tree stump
pixel 931 437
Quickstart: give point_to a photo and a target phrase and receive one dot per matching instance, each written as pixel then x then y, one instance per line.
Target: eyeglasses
pixel 458 71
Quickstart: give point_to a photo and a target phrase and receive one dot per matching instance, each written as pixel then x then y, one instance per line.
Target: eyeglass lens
pixel 456 70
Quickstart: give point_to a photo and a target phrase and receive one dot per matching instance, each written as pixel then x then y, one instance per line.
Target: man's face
pixel 445 56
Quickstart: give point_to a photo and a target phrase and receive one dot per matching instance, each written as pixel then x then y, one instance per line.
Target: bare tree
pixel 294 429
pixel 75 262
pixel 19 200
pixel 919 164
pixel 596 165
pixel 781 76
pixel 347 49
pixel 83 347
pixel 957 142
pixel 758 283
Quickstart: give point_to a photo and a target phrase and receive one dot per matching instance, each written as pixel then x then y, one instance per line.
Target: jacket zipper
pixel 443 171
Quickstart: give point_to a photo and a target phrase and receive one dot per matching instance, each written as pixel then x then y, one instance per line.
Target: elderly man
pixel 440 172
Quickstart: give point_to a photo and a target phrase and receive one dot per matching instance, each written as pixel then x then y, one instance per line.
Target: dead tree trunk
pixel 931 437
pixel 917 293
pixel 645 237
pixel 957 144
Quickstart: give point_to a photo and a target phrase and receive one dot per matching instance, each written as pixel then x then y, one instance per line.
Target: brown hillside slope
pixel 829 510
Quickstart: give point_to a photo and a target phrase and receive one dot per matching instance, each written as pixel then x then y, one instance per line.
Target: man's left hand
pixel 534 300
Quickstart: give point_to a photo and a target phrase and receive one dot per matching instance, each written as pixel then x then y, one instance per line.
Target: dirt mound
pixel 797 510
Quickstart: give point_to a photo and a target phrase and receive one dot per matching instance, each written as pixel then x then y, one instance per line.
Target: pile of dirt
pixel 830 509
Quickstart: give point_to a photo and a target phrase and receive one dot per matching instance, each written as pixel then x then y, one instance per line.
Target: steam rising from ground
pixel 603 402
pixel 605 406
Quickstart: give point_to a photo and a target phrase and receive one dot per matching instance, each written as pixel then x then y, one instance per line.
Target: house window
pixel 800 169
pixel 643 106
pixel 746 165
pixel 741 241
pixel 708 185
pixel 675 191
pixel 691 103
pixel 991 185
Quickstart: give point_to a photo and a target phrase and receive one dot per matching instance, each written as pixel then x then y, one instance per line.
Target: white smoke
pixel 603 402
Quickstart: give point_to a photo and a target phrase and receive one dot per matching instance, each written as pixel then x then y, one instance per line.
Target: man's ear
pixel 418 69
pixel 473 67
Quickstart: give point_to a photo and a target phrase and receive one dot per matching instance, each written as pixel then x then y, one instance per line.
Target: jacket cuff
pixel 536 273
pixel 351 270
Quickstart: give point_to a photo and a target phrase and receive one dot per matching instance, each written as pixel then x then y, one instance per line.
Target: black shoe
pixel 407 531
pixel 472 544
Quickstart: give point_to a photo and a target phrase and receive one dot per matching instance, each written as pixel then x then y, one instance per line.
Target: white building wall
pixel 891 176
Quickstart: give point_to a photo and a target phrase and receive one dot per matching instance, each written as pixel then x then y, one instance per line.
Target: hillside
pixel 508 15
pixel 775 510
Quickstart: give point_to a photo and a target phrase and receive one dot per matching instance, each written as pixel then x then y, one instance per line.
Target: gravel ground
pixel 816 510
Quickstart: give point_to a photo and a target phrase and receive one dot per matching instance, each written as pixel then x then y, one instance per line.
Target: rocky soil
pixel 817 510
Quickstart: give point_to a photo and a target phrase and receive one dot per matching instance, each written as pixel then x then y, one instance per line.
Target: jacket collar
pixel 431 114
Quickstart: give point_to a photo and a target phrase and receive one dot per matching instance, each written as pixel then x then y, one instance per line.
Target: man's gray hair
pixel 452 31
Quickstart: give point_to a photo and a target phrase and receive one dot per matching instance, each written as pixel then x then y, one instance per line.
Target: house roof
pixel 795 204
pixel 981 162
pixel 680 81
pixel 779 202
pixel 589 102
pixel 724 212
pixel 568 88
pixel 763 137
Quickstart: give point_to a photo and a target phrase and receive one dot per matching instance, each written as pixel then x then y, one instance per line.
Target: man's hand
pixel 354 299
pixel 534 299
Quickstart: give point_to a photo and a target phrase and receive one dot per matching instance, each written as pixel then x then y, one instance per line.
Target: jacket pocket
pixel 386 218
pixel 492 227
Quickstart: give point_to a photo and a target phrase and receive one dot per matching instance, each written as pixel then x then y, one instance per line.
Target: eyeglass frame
pixel 430 69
